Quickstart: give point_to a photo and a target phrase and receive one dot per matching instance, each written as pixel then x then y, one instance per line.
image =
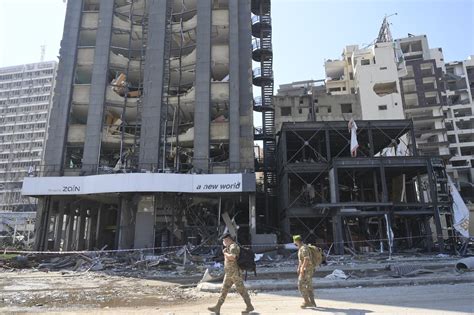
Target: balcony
pixel 262 77
pixel 260 7
pixel 261 24
pixel 261 49
pixel 260 106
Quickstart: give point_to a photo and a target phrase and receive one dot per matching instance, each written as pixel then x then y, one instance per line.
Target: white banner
pixel 138 182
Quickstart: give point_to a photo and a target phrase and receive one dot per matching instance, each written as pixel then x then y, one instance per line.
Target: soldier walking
pixel 305 272
pixel 232 275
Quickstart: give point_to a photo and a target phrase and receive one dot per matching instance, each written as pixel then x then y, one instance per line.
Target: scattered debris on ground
pixel 107 279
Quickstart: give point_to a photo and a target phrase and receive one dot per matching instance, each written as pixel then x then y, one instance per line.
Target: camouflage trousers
pixel 305 284
pixel 229 280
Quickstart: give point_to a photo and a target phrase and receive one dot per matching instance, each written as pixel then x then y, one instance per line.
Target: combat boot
pixel 216 308
pixel 249 309
pixel 249 305
pixel 311 299
pixel 306 303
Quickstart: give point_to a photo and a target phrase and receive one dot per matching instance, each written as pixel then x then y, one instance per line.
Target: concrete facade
pixel 372 73
pixel 459 121
pixel 423 94
pixel 309 101
pixel 26 93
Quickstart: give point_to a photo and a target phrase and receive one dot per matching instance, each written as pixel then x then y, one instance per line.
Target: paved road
pixel 432 299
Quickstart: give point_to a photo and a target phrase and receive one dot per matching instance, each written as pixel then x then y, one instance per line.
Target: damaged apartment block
pixel 369 202
pixel 379 192
pixel 151 135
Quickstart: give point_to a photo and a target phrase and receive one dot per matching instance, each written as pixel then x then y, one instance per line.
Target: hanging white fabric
pixel 354 143
pixel 460 210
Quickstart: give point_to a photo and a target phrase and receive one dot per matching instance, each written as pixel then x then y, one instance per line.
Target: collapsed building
pixel 151 132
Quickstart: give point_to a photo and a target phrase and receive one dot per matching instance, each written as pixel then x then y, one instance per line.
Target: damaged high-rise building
pixel 151 134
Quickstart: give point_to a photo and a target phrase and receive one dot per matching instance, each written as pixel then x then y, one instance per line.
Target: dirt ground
pixel 94 293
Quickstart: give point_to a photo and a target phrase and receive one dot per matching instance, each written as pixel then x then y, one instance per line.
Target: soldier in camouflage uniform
pixel 305 272
pixel 233 275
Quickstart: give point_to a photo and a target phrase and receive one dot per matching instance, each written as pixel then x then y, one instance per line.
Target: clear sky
pixel 305 31
pixel 308 31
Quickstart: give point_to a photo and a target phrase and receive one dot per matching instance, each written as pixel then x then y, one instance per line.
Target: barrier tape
pixel 175 249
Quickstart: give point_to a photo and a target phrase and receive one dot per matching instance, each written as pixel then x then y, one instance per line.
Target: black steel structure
pixel 362 203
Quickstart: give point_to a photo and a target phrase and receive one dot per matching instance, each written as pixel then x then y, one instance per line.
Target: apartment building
pixel 26 93
pixel 424 93
pixel 459 121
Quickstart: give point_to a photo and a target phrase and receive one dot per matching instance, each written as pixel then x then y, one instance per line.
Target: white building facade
pixel 25 99
pixel 372 73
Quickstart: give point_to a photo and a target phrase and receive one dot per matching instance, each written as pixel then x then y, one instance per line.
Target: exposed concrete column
pixel 92 231
pixel 252 217
pixel 40 222
pixel 126 230
pixel 53 208
pixel 58 227
pixel 98 87
pixel 153 85
pixel 57 131
pixel 99 226
pixel 234 87
pixel 145 220
pixel 81 227
pixel 428 234
pixel 245 85
pixel 69 233
pixel 203 85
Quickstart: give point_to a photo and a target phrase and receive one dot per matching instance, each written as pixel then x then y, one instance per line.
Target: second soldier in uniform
pixel 232 276
pixel 305 272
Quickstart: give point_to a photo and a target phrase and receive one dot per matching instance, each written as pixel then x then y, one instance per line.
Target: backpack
pixel 246 261
pixel 316 255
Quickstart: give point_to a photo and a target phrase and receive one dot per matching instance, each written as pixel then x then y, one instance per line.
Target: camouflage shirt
pixel 303 253
pixel 231 266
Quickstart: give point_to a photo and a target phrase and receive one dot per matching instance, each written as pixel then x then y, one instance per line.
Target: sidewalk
pixel 360 274
pixel 322 283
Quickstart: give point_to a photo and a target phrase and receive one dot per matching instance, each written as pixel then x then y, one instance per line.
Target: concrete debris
pixel 337 274
pixel 213 275
pixel 465 264
pixel 408 270
pixel 258 257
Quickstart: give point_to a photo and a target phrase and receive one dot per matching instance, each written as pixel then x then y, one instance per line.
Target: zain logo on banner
pixel 71 188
